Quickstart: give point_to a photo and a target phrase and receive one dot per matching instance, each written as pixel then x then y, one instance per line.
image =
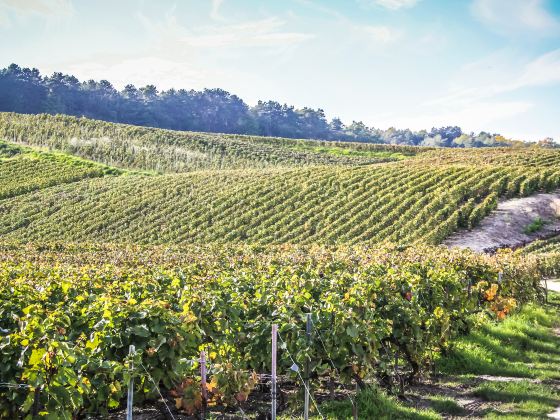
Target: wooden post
pixel 307 386
pixel 203 382
pixel 500 277
pixel 36 401
pixel 273 371
pixel 130 396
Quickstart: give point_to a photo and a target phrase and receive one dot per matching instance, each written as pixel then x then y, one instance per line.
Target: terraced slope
pixel 23 170
pixel 400 202
pixel 143 148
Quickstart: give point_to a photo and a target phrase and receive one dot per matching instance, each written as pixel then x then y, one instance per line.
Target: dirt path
pixel 505 227
pixel 553 284
pixel 555 415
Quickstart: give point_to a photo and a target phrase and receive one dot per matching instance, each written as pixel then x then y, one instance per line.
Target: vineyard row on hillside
pixel 143 148
pixel 549 246
pixel 401 203
pixel 23 170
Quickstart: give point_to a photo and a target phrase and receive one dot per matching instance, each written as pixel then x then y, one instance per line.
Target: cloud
pixel 4 21
pixel 380 34
pixel 545 70
pixel 488 78
pixel 181 56
pixel 267 32
pixel 431 42
pixel 140 71
pixel 475 116
pixel 374 35
pixel 486 93
pixel 510 17
pixel 215 10
pixel 258 33
pixel 40 7
pixel 391 4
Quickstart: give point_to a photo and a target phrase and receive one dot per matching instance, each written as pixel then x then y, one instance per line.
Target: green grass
pixel 508 400
pixel 347 151
pixel 524 345
pixel 520 400
pixel 445 405
pixel 375 404
pixel 535 226
pixel 8 151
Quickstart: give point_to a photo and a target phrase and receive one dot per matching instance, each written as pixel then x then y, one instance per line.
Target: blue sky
pixel 489 65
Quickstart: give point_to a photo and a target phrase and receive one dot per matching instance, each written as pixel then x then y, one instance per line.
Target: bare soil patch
pixel 507 226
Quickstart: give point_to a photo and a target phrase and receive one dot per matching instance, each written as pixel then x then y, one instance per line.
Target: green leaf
pixel 36 357
pixel 141 330
pixel 112 403
pixel 352 331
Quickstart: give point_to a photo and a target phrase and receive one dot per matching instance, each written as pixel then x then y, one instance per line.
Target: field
pixel 174 242
pixel 150 149
pixel 421 198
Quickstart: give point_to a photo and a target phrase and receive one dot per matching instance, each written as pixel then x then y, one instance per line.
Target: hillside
pixel 23 170
pixel 142 148
pixel 268 210
pixel 192 240
pixel 424 196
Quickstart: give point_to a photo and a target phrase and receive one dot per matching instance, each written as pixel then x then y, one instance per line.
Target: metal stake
pixel 307 387
pixel 203 382
pixel 273 372
pixel 130 396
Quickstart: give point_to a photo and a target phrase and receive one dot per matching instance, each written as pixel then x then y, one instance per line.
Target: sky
pixel 491 65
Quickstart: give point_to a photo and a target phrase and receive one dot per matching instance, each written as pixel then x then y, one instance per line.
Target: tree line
pixel 25 90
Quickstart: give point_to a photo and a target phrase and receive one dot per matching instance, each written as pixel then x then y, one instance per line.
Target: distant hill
pixel 142 148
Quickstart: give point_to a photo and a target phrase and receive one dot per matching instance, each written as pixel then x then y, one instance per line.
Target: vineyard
pixel 71 312
pixel 150 149
pixel 174 242
pixel 404 202
pixel 549 246
pixel 23 170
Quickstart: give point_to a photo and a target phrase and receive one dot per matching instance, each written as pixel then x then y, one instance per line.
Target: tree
pixel 213 110
pixel 22 90
pixel 548 143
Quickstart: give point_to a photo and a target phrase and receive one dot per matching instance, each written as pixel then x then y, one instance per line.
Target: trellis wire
pixel 158 391
pixel 331 361
pixel 300 377
pixel 13 385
